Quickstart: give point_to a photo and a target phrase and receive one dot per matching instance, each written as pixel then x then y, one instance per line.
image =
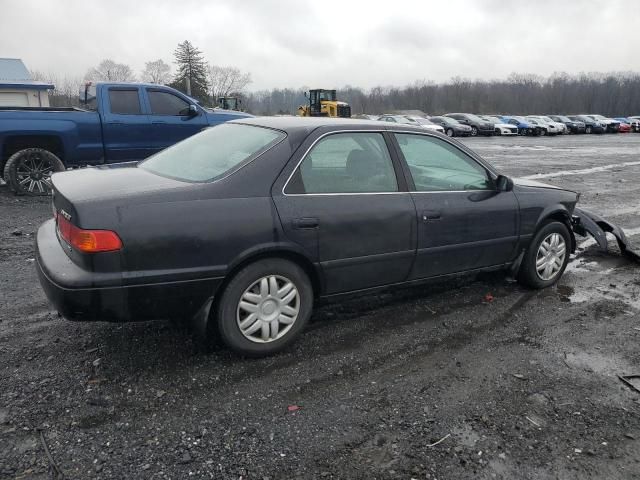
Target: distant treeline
pixel 611 94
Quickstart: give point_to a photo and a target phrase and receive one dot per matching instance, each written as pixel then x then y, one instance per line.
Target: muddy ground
pixel 521 386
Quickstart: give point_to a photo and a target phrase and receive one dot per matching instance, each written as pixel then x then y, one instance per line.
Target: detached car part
pixel 585 222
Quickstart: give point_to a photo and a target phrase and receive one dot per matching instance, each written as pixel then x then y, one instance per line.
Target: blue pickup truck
pixel 122 122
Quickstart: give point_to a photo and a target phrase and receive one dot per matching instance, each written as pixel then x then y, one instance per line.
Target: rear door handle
pixel 431 215
pixel 158 123
pixel 306 223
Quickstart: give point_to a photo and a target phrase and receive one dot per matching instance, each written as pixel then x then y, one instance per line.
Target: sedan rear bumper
pixel 72 289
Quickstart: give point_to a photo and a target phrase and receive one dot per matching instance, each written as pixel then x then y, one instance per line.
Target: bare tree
pixel 224 81
pixel 110 71
pixel 157 71
pixel 66 91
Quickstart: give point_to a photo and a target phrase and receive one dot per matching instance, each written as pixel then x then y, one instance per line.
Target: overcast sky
pixel 330 43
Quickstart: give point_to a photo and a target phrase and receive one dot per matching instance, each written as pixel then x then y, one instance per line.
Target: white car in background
pixel 424 123
pixel 411 120
pixel 501 127
pixel 546 127
pixel 562 128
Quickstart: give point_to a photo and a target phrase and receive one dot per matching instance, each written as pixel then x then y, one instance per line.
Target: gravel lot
pixel 515 383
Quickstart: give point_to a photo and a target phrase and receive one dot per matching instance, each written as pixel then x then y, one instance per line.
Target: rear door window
pixel 346 163
pixel 125 102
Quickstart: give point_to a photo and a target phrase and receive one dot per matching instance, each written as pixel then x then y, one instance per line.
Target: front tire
pixel 264 307
pixel 474 132
pixel 28 171
pixel 450 132
pixel 546 257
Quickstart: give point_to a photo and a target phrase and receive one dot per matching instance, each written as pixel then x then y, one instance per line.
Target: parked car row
pixel 468 124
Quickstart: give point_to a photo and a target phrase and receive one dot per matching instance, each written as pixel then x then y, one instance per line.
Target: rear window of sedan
pixel 213 153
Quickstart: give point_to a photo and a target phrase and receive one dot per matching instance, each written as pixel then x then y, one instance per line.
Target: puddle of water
pixel 581 265
pixel 579 297
pixel 565 292
pixel 591 282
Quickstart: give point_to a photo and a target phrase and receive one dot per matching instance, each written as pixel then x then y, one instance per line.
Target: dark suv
pixel 477 124
pixel 574 126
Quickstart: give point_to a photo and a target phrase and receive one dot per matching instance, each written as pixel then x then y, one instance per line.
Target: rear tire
pixel 546 257
pixel 264 308
pixel 587 129
pixel 450 132
pixel 28 171
pixel 474 132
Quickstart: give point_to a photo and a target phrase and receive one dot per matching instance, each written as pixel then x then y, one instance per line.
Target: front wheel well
pixel 562 217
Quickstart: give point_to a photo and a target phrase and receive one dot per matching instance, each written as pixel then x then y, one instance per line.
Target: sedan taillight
pixel 88 241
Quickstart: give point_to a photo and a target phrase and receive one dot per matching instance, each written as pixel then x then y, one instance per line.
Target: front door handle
pixel 431 215
pixel 306 223
pixel 158 123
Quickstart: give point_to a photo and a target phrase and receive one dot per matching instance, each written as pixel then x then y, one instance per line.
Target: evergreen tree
pixel 191 65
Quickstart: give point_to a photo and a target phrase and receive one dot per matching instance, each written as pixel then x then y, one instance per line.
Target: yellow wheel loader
pixel 323 103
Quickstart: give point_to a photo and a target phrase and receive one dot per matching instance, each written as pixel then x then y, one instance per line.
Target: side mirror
pixel 504 183
pixel 193 110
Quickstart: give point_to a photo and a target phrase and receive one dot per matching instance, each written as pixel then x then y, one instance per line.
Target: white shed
pixel 17 89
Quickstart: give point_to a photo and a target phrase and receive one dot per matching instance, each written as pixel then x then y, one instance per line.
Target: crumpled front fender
pixel 585 222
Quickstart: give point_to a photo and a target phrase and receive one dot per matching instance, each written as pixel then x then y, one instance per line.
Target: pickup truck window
pixel 164 103
pixel 212 153
pixel 124 102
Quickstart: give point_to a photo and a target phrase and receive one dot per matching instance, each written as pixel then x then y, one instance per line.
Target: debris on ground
pixel 627 381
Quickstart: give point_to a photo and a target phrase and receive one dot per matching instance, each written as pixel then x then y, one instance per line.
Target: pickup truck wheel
pixel 28 171
pixel 265 306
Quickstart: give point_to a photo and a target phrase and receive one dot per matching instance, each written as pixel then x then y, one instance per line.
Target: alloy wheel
pixel 33 174
pixel 268 309
pixel 550 256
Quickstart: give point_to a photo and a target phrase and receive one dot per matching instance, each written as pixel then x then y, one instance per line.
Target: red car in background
pixel 626 125
pixel 624 128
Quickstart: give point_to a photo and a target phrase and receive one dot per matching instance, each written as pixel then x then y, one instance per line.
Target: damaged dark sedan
pixel 240 228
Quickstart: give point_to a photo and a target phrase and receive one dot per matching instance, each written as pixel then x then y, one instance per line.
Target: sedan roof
pixel 295 124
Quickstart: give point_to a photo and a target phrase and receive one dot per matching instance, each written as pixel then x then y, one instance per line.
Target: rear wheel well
pixel 47 142
pixel 296 258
